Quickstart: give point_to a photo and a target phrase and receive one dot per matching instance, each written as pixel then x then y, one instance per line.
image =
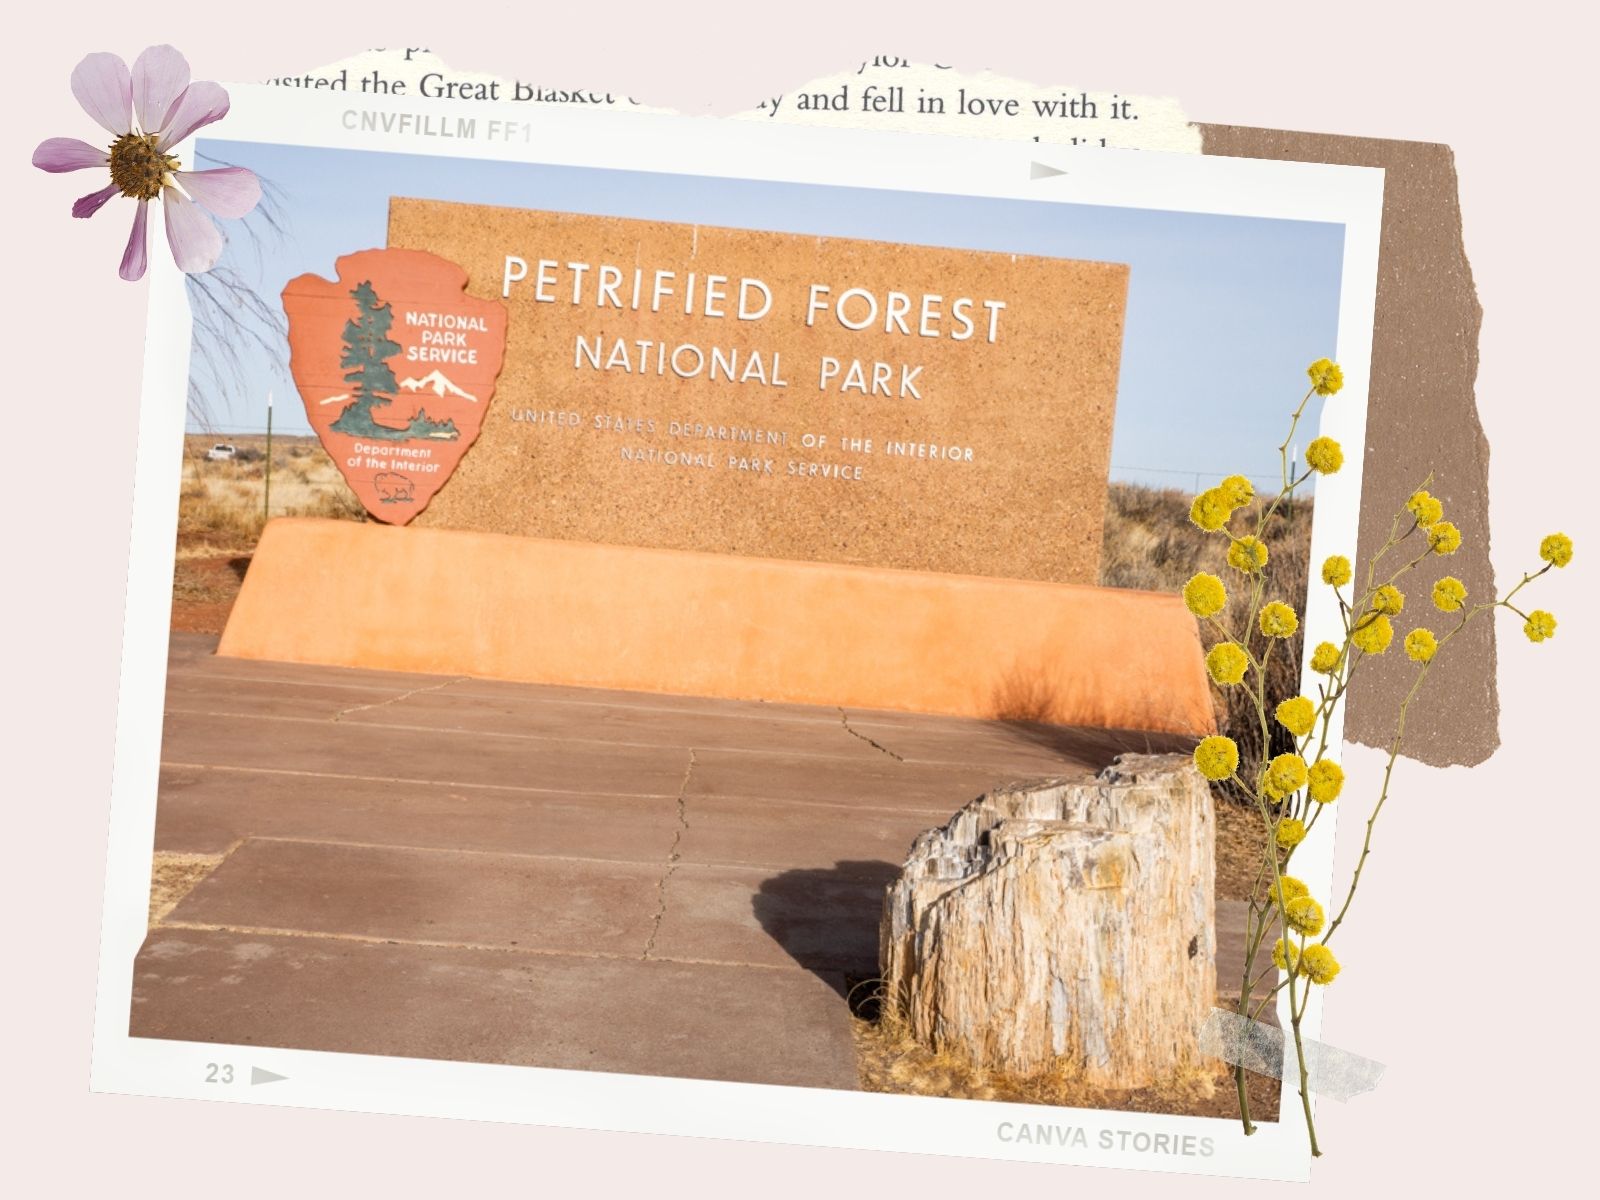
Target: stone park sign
pixel 718 462
pixel 396 368
pixel 774 395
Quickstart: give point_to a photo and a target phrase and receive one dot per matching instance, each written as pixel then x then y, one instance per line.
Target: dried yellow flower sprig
pixel 1293 789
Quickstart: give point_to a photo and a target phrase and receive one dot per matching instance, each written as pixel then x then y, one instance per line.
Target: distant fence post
pixel 266 491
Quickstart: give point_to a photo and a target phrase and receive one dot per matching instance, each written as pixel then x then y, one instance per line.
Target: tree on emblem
pixel 367 351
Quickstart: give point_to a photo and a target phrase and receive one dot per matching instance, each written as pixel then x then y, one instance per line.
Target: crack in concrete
pixel 844 719
pixel 673 854
pixel 432 687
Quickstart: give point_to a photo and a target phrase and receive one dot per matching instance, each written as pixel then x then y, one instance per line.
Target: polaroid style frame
pixel 912 163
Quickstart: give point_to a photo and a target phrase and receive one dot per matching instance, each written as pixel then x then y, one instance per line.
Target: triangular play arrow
pixel 258 1075
pixel 1039 170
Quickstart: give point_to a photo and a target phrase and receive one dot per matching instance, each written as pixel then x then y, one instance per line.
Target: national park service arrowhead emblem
pixel 396 365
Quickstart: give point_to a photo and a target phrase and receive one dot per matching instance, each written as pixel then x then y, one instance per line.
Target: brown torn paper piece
pixel 1422 416
pixel 1422 412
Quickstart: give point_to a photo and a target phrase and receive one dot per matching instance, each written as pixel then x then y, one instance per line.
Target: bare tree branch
pixel 232 319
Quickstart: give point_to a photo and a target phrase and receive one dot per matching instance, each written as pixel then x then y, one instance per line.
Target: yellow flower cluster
pixel 1389 600
pixel 1540 626
pixel 1326 377
pixel 1277 620
pixel 1367 618
pixel 1449 594
pixel 1213 507
pixel 1425 508
pixel 1304 915
pixel 1421 645
pixel 1290 832
pixel 1318 964
pixel 1285 955
pixel 1289 889
pixel 1210 511
pixel 1373 635
pixel 1227 663
pixel 1297 715
pixel 1247 554
pixel 1325 658
pixel 1286 773
pixel 1556 549
pixel 1325 780
pixel 1204 595
pixel 1444 538
pixel 1237 490
pixel 1324 455
pixel 1217 757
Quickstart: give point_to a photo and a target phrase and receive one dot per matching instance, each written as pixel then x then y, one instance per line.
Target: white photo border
pixel 1348 196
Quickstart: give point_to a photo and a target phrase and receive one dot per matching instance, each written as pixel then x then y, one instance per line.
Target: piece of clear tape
pixel 1257 1047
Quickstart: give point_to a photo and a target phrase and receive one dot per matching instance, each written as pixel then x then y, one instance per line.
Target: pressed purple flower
pixel 148 111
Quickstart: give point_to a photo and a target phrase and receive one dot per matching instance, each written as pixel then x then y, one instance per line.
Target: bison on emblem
pixel 392 487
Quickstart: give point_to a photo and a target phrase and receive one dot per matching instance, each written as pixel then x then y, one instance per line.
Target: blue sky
pixel 1223 314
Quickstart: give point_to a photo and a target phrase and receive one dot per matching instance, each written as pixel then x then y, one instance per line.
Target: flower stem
pixel 1300 1058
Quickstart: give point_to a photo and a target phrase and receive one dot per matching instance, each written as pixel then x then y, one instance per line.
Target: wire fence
pixel 1193 482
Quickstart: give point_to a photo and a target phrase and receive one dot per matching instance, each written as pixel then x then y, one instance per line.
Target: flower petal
pixel 135 258
pixel 159 76
pixel 200 104
pixel 87 206
pixel 102 86
pixel 195 239
pixel 226 191
pixel 68 154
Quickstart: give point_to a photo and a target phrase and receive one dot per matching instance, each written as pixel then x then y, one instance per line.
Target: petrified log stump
pixel 1063 924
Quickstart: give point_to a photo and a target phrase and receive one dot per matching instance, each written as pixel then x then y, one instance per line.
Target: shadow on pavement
pixel 827 920
pixel 1095 748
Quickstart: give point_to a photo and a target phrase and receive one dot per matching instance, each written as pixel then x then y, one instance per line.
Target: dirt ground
pixel 1241 842
pixel 204 589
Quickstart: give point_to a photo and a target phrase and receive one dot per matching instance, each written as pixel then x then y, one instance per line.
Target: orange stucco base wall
pixel 487 605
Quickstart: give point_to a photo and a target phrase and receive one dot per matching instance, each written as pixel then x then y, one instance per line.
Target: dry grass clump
pixel 220 506
pixel 173 876
pixel 890 1060
pixel 1150 543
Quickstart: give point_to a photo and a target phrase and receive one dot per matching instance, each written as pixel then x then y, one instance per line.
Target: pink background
pixel 1480 1012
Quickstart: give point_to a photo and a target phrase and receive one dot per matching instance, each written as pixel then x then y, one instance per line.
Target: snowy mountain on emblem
pixel 437 383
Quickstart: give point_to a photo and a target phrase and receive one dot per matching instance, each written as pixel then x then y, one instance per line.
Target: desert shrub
pixel 339 505
pixel 1149 543
pixel 217 516
pixel 220 503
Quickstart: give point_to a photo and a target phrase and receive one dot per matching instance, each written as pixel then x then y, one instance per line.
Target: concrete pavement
pixel 483 871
